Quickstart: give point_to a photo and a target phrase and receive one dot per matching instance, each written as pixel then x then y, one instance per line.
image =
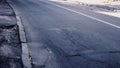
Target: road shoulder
pixel 25 52
pixel 10 48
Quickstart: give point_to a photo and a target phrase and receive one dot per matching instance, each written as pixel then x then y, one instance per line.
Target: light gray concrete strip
pixel 21 30
pixel 25 52
pixel 25 56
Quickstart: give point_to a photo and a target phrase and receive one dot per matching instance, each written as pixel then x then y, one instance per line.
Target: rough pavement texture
pixel 10 49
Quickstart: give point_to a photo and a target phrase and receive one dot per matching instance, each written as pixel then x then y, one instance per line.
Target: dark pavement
pixel 59 38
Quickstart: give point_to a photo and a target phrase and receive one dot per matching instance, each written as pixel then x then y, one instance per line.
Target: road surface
pixel 60 36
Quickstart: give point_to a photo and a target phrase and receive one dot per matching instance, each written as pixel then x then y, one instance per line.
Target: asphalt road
pixel 61 36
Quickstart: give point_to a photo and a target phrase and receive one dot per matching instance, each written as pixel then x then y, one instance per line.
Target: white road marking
pixel 91 17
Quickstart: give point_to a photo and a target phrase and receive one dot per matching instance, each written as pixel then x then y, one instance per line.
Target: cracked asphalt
pixel 58 38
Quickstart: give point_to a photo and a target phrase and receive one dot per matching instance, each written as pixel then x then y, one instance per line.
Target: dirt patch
pixel 10 48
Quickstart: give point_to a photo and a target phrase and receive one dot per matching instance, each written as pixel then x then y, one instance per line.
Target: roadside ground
pixel 112 9
pixel 10 47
